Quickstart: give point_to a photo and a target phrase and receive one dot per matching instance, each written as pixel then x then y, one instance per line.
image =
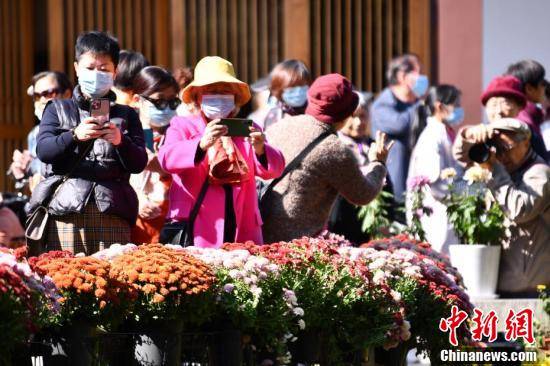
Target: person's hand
pixel 480 133
pixel 378 150
pixel 88 129
pixel 34 180
pixel 214 130
pixel 112 134
pixel 20 164
pixel 148 210
pixel 257 140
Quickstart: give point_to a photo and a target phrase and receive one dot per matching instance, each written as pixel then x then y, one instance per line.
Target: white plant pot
pixel 478 265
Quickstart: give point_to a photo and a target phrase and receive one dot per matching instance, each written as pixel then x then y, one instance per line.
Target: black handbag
pixel 181 232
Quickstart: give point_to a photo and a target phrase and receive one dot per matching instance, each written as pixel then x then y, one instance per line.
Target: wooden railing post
pixel 56 36
pixel 162 31
pixel 296 30
pixel 421 40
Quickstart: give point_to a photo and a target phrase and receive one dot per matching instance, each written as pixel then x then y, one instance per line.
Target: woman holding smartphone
pixel 213 197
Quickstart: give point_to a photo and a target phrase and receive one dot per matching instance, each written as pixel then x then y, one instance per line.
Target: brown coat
pixel 300 204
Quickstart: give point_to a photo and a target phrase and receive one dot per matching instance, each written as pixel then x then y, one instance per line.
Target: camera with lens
pixel 480 153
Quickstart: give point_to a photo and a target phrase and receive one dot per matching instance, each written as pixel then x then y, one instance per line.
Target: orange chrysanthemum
pixel 166 273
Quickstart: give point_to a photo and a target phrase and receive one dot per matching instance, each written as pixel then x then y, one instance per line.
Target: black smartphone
pixel 99 109
pixel 237 126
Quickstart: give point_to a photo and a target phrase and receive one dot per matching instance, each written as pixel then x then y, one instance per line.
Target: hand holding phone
pixel 88 129
pixel 213 131
pixel 257 140
pixel 237 126
pixel 111 134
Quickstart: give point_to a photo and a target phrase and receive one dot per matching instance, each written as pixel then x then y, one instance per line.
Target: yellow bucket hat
pixel 212 70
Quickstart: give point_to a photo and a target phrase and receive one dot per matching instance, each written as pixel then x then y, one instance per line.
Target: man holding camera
pixel 520 184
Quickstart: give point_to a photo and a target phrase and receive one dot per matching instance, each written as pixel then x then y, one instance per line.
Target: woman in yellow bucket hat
pixel 213 196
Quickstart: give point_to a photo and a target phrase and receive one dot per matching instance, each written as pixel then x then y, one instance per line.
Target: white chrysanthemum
pixel 477 174
pixel 448 173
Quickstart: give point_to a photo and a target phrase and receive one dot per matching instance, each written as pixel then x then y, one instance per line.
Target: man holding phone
pixel 82 143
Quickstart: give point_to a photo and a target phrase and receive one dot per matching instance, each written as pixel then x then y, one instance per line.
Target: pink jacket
pixel 177 157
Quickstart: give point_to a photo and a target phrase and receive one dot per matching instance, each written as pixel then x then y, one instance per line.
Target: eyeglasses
pixel 502 148
pixel 48 93
pixel 163 103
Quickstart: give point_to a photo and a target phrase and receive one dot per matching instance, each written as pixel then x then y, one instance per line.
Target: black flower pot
pixel 308 348
pixel 159 344
pixel 225 348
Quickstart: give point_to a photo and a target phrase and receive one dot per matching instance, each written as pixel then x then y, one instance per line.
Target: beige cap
pixel 513 125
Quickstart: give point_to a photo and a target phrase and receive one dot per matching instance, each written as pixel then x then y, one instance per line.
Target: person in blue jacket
pixel 394 112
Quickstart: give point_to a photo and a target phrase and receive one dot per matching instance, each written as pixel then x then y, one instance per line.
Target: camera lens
pixel 480 153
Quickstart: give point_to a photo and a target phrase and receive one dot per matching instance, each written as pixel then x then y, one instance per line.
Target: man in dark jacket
pixel 394 113
pixel 95 205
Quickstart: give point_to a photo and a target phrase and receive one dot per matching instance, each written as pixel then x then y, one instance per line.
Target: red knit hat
pixel 331 98
pixel 504 86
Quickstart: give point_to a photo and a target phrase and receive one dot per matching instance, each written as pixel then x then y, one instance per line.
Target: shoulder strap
pixel 296 161
pixel 196 207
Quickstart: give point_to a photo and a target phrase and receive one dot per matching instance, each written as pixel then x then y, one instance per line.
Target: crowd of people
pixel 165 166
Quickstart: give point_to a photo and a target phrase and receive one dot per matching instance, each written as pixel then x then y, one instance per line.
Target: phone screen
pixel 237 126
pixel 99 109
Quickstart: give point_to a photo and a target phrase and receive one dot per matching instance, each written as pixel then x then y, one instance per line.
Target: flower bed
pixel 424 280
pixel 27 300
pixel 277 297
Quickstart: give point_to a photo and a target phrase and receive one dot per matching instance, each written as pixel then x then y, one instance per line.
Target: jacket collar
pixel 530 159
pixel 84 103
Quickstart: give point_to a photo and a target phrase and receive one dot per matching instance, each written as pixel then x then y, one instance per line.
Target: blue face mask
pixel 95 83
pixel 421 85
pixel 295 96
pixel 148 136
pixel 456 116
pixel 160 117
pixel 217 105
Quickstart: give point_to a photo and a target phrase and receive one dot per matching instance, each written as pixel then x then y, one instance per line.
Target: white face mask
pixel 39 110
pixel 295 96
pixel 95 83
pixel 217 105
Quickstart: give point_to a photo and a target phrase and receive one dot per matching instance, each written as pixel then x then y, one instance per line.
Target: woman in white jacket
pixel 431 155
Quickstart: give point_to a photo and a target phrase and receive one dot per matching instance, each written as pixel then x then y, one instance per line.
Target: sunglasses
pixel 48 93
pixel 162 104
